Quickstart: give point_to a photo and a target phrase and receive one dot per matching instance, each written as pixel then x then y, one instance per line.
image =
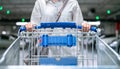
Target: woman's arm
pixel 77 14
pixel 36 13
pixel 35 17
pixel 78 18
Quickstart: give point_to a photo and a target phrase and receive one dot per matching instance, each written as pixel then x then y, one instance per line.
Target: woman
pixel 47 11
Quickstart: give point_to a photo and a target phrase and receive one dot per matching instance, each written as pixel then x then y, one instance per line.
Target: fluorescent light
pixel 94 23
pixel 4 32
pixel 21 23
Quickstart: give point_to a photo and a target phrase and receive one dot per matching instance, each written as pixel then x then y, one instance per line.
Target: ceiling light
pixel 1 8
pixel 8 12
pixel 108 11
pixel 97 17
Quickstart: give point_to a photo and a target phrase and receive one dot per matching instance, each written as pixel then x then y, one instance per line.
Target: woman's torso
pixel 50 11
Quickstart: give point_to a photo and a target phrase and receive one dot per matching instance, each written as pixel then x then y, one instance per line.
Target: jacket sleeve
pixel 77 14
pixel 36 13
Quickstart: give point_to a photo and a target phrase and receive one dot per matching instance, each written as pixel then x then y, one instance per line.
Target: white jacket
pixel 46 11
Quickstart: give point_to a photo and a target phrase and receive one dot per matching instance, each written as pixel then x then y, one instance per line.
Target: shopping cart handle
pixel 38 27
pixel 92 28
pixel 22 28
pixel 58 25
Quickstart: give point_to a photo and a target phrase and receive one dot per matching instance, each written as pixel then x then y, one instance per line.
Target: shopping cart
pixel 60 43
pixel 59 38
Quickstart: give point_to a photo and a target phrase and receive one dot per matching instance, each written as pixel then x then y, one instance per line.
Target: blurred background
pixel 107 12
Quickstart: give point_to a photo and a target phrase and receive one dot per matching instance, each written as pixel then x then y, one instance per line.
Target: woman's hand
pixel 85 27
pixel 29 27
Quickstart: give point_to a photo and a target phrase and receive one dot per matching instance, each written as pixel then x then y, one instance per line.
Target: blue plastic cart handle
pixel 22 28
pixel 92 28
pixel 57 25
